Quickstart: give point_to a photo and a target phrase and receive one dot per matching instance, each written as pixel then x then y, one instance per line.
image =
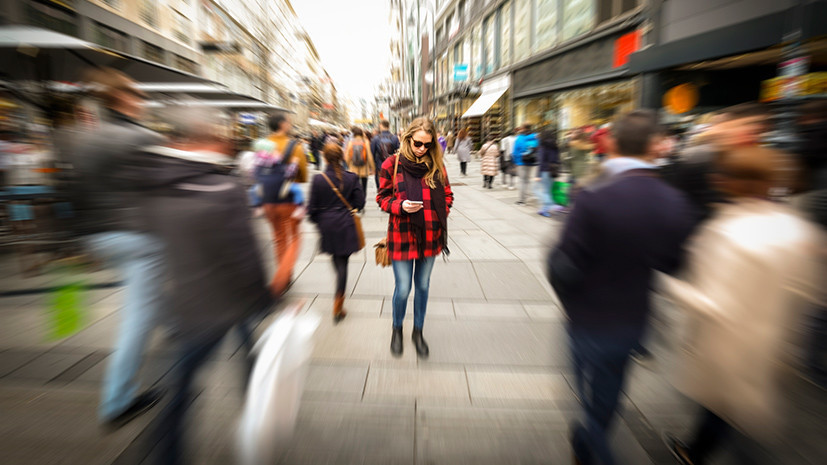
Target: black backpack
pixel 385 149
pixel 530 156
pixel 275 179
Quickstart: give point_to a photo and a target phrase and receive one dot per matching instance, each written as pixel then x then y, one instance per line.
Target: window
pixel 546 24
pixel 505 34
pixel 451 25
pixel 522 29
pixel 490 52
pixel 578 18
pixel 182 28
pixel 109 37
pixel 153 53
pixel 608 9
pixel 476 52
pixel 116 4
pixel 439 36
pixel 185 65
pixel 149 13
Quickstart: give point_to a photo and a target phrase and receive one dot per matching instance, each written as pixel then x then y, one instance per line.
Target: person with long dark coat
pixel 334 219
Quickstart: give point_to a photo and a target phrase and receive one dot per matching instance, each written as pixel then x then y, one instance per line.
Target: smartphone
pixel 415 202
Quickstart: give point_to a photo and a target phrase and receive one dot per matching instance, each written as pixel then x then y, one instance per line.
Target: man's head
pixel 750 171
pixel 117 91
pixel 196 127
pixel 525 129
pixel 635 133
pixel 385 125
pixel 279 123
pixel 742 126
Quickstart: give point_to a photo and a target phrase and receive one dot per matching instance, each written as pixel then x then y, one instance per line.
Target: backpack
pixel 385 149
pixel 357 154
pixel 275 178
pixel 530 156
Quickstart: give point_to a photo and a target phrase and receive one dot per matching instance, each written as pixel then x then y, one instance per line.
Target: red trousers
pixel 286 243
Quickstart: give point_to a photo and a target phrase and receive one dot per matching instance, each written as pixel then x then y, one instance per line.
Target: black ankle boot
pixel 396 342
pixel 419 343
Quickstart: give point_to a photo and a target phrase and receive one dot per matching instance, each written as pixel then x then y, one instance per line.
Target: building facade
pixel 254 47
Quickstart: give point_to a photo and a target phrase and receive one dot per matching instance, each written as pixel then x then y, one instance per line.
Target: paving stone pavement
pixel 496 389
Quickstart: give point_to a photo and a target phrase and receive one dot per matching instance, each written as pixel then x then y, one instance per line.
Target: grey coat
pixel 107 176
pixel 463 149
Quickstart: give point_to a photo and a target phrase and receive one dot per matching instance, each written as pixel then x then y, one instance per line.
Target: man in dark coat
pixel 216 275
pixel 618 233
pixel 383 146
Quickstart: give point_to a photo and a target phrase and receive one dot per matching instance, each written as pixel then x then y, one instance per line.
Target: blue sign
pixel 247 118
pixel 461 72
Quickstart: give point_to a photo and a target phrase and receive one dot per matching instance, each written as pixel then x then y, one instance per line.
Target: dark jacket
pixel 108 166
pixel 690 174
pixel 616 235
pixel 214 267
pixel 389 140
pixel 548 157
pixel 331 216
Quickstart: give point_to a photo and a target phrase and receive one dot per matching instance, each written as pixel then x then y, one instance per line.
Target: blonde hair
pixel 435 167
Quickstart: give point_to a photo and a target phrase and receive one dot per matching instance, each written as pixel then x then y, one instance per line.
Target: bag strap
pixel 395 170
pixel 336 190
pixel 291 147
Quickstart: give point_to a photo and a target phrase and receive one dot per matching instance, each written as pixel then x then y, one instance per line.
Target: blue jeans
pixel 542 190
pixel 599 364
pixel 139 258
pixel 403 272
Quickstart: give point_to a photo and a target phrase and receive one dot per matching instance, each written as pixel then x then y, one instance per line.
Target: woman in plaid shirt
pixel 418 199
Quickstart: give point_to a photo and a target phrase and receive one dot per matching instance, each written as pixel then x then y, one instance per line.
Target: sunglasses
pixel 418 144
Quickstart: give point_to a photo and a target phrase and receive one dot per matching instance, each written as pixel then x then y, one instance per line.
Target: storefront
pixel 487 115
pixel 582 106
pixel 586 83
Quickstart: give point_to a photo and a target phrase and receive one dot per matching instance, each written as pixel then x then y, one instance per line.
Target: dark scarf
pixel 413 173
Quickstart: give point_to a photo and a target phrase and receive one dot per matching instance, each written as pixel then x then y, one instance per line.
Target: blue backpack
pixel 275 178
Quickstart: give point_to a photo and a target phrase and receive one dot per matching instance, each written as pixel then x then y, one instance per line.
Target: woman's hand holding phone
pixel 412 206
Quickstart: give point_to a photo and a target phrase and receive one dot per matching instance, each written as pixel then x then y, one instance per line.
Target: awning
pixel 44 55
pixel 184 91
pixel 484 102
pixel 232 105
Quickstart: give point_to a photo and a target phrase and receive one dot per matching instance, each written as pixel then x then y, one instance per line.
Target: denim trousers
pixel 542 190
pixel 139 257
pixel 418 271
pixel 599 363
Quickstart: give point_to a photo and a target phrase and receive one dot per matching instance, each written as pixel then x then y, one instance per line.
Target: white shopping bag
pixel 274 391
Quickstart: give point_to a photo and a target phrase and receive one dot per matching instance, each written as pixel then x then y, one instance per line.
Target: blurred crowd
pixel 727 227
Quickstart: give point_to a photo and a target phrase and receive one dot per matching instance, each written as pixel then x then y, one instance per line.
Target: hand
pixel 411 207
pixel 537 179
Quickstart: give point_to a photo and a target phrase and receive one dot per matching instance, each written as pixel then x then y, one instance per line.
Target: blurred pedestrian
pixel 280 163
pixel 506 160
pixel 198 208
pixel 383 146
pixel 443 142
pixel 754 270
pixel 463 149
pixel 742 125
pixel 579 149
pixel 489 166
pixel 332 215
pixel 449 142
pixel 414 189
pixel 548 168
pixel 602 270
pixel 359 159
pixel 525 159
pixel 109 208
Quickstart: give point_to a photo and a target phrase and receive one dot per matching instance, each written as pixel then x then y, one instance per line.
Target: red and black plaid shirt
pixel 401 240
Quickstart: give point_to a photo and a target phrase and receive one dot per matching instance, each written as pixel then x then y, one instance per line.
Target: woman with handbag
pixel 335 198
pixel 414 189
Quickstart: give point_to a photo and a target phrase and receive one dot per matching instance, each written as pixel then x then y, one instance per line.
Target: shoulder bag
pixel 383 258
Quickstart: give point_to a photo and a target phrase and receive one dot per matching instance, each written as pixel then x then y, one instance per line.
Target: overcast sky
pixel 353 41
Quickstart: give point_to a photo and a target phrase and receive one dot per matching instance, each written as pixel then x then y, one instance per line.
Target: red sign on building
pixel 625 45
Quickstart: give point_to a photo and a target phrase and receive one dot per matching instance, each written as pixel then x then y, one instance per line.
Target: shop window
pixel 153 53
pixel 505 34
pixel 50 17
pixel 109 37
pixel 546 24
pixel 522 29
pixel 578 18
